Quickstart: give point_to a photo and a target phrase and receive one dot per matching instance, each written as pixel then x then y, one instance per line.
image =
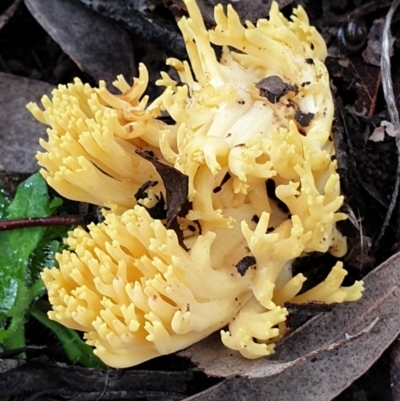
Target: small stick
pixel 6 225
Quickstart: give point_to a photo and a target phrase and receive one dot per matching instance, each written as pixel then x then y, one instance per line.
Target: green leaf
pixel 17 249
pixel 37 290
pixel 45 253
pixel 4 202
pixel 55 203
pixel 16 246
pixel 75 348
pixel 45 256
pixel 31 199
pixel 24 253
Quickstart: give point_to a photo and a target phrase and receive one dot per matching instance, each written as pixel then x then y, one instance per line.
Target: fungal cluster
pixel 249 147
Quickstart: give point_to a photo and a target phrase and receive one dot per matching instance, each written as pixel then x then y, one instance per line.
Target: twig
pixel 6 225
pixel 387 85
pixel 366 8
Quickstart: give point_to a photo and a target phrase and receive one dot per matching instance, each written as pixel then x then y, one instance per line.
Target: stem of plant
pixel 6 225
pixel 17 340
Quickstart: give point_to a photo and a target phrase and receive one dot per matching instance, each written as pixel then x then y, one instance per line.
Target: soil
pixel 368 171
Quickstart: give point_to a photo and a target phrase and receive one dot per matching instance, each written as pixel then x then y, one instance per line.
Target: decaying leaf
pixel 176 187
pixel 390 129
pixel 301 313
pixel 79 383
pixel 378 135
pixel 9 12
pixel 152 28
pixel 372 53
pixel 19 131
pixel 97 45
pixel 395 370
pixel 357 76
pixel 289 375
pixel 247 10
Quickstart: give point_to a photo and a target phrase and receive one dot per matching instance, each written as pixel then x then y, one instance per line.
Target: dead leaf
pixel 35 377
pixel 372 53
pixel 176 186
pixel 247 10
pixel 288 375
pixel 362 78
pixel 97 45
pixel 9 12
pixel 378 135
pixel 390 129
pixel 159 210
pixel 395 370
pixel 147 25
pixel 368 82
pixel 19 131
pixel 301 313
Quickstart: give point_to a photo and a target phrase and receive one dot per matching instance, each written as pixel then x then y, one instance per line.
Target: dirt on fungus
pixel 367 169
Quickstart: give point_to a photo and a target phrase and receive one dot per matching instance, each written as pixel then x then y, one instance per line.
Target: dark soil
pixel 368 175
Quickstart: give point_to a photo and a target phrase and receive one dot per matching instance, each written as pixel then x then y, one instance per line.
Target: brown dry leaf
pixel 247 10
pixel 318 361
pixel 19 131
pixel 140 18
pixel 97 45
pixel 176 186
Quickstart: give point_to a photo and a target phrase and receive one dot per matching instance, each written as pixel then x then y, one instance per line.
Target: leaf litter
pixel 86 39
pixel 17 123
pixel 335 362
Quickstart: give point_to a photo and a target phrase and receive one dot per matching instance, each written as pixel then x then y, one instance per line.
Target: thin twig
pixel 6 225
pixel 387 85
pixel 365 9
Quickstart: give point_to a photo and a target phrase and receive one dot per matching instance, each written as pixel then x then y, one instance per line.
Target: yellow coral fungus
pixel 92 140
pixel 136 293
pixel 251 133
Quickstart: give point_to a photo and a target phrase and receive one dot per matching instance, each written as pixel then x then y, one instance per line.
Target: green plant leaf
pixel 16 253
pixel 76 350
pixel 16 246
pixel 31 199
pixel 4 202
pixel 45 256
pixel 45 253
pixel 24 253
pixel 55 203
